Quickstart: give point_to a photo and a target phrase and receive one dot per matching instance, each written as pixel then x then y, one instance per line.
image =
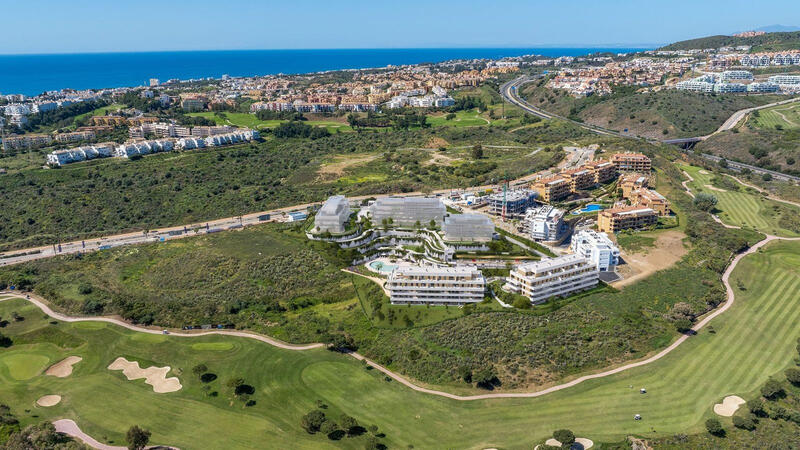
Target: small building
pixel 468 228
pixel 333 215
pixel 417 285
pixel 631 162
pixel 626 217
pixel 297 216
pixel 552 189
pixel 597 248
pixel 545 223
pixel 408 211
pixel 555 277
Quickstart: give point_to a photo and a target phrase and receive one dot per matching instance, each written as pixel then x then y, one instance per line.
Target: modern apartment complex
pixel 545 223
pixel 554 277
pixel 631 162
pixel 626 217
pixel 516 202
pixel 333 215
pixel 552 189
pixel 468 228
pixel 417 285
pixel 597 248
pixel 408 211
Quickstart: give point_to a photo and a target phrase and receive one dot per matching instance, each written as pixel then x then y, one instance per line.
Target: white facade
pixel 417 285
pixel 333 215
pixel 544 223
pixel 61 157
pixel 737 75
pixel 597 248
pixel 407 211
pixel 143 148
pixel 695 86
pixel 762 87
pixel 554 277
pixel 468 228
pixel 785 79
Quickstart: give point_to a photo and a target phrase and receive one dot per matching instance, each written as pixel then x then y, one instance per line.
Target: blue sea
pixel 34 74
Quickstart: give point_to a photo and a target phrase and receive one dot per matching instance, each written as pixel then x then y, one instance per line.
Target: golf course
pixel 741 206
pixel 750 342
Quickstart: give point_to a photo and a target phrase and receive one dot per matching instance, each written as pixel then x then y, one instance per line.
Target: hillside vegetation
pixel 764 43
pixel 659 115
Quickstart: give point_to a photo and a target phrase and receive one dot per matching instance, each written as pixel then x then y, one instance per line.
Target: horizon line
pixel 510 47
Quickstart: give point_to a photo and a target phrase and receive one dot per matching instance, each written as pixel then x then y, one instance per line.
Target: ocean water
pixel 34 74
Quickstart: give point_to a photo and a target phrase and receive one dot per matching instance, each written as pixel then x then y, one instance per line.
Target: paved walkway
pixel 70 428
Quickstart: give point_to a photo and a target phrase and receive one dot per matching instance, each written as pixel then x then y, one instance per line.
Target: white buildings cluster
pixel 418 285
pixel 727 82
pixel 597 248
pixel 66 156
pixel 545 223
pixel 553 277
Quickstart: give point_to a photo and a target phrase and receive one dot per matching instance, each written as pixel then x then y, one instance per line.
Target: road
pixel 509 92
pixel 575 157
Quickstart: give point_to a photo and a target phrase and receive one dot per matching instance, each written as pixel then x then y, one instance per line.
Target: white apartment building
pixel 695 86
pixel 785 79
pixel 143 148
pixel 417 285
pixel 763 87
pixel 736 75
pixel 333 215
pixel 61 157
pixel 468 228
pixel 554 277
pixel 597 248
pixel 544 223
pixel 407 211
pixel 726 88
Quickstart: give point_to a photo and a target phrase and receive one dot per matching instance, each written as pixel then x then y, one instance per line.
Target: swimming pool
pixel 588 209
pixel 382 267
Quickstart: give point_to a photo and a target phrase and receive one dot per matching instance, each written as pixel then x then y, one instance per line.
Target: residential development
pixel 554 277
pixel 596 248
pixel 414 285
pixel 626 217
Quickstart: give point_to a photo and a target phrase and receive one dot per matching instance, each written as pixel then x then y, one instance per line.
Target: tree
pixel 714 427
pixel 373 443
pixel 705 201
pixel 793 375
pixel 5 341
pixel 745 423
pixel 772 389
pixel 199 369
pixel 683 325
pixel 566 437
pixel 328 427
pixel 347 423
pixel 756 407
pixel 312 421
pixel 477 151
pixel 137 438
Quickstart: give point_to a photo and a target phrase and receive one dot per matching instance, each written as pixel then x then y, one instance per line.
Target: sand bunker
pixel 154 376
pixel 729 405
pixel 714 188
pixel 703 172
pixel 585 443
pixel 49 400
pixel 63 369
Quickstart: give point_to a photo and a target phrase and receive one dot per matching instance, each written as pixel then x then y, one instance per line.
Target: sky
pixel 79 26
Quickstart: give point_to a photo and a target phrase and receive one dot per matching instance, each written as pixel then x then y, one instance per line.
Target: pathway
pixel 70 428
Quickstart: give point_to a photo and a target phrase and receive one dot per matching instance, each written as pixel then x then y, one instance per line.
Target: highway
pixel 509 92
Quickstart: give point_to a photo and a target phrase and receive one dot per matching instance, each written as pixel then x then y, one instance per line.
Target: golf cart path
pixel 399 378
pixel 70 428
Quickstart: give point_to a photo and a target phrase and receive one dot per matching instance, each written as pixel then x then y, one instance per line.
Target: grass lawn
pixel 634 242
pixel 469 118
pixel 783 117
pixel 744 207
pixel 754 340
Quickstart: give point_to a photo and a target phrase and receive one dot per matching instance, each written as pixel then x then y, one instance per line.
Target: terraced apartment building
pixel 631 162
pixel 579 179
pixel 556 277
pixel 649 198
pixel 552 189
pixel 632 182
pixel 626 217
pixel 422 285
pixel 603 171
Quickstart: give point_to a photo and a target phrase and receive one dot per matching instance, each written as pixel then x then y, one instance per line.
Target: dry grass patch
pixel 667 250
pixel 336 168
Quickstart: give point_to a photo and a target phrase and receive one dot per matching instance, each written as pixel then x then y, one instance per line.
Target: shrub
pixel 714 427
pixel 745 423
pixel 793 375
pixel 312 421
pixel 705 201
pixel 772 389
pixel 566 437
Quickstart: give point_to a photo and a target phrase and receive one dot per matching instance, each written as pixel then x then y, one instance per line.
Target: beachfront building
pixel 545 223
pixel 333 215
pixel 626 217
pixel 418 285
pixel 552 189
pixel 631 162
pixel 407 211
pixel 468 228
pixel 603 171
pixel 555 277
pixel 649 198
pixel 597 248
pixel 516 202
